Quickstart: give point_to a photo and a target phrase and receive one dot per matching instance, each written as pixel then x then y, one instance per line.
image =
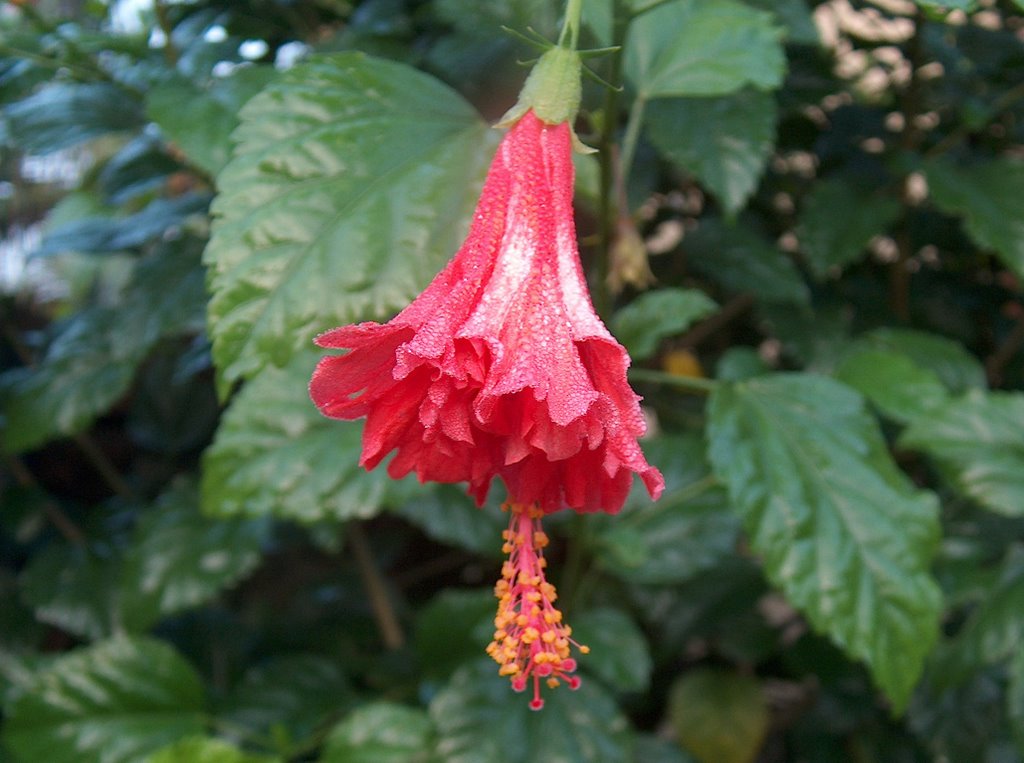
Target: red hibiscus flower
pixel 500 367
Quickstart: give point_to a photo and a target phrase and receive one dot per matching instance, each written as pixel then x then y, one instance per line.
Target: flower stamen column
pixel 531 642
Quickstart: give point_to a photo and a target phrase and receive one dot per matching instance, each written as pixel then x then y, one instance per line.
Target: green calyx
pixel 552 90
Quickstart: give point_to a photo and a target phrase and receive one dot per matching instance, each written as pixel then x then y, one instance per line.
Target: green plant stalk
pixel 632 136
pixel 607 157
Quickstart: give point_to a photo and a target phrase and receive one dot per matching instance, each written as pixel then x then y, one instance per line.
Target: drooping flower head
pixel 501 368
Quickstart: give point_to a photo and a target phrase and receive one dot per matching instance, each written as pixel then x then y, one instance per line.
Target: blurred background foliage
pixel 806 223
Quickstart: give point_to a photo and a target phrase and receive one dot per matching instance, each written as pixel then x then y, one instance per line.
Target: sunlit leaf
pixel 350 186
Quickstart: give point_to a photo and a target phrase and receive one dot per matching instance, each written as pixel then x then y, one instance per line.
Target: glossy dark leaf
pixel 841 530
pixel 112 702
pixel 479 719
pixel 381 732
pixel 656 315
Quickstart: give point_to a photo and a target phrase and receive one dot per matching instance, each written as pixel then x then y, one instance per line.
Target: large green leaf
pixel 180 559
pixel 690 47
pixel 837 222
pixel 725 142
pixel 902 390
pixel 62 115
pixel 479 719
pixel 112 702
pixel 987 195
pixel 381 732
pixel 351 184
pixel 979 439
pixel 840 529
pixel 655 315
pixel 276 455
pixel 200 121
pixel 741 260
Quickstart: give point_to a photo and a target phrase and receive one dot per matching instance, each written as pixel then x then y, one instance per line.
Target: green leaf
pixel 111 702
pixel 86 369
pixel 619 654
pixel 62 115
pixel 447 514
pixel 468 613
pixel 205 750
pixel 837 222
pixel 352 182
pixel 181 559
pixel 795 16
pixel 995 629
pixel 200 121
pixel 655 315
pixel 741 260
pixel 479 719
pixel 841 530
pixel 987 195
pixel 105 235
pixel 381 732
pixel 948 5
pixel 902 390
pixel 724 142
pixel 276 455
pixel 79 590
pixel 688 47
pixel 979 439
pixel 648 748
pixel 719 717
pixel 91 362
pixel 687 531
pixel 954 365
pixel 289 699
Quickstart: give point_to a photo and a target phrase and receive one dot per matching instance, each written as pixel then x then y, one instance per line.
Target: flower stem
pixel 570 34
pixel 632 136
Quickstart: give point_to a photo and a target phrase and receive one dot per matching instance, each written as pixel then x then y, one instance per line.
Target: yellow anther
pixel 584 649
pixel 547 638
pixel 552 683
pixel 508 669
